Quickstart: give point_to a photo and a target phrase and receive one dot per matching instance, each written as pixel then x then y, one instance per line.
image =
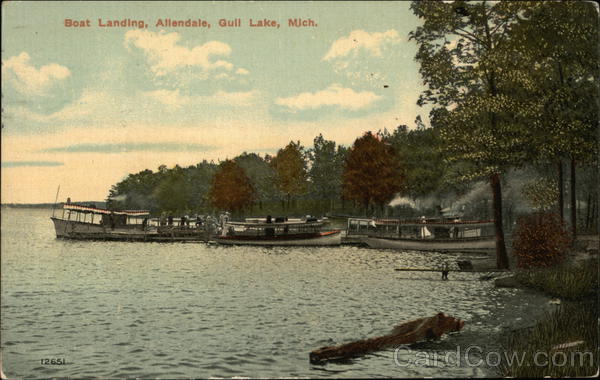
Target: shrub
pixel 541 240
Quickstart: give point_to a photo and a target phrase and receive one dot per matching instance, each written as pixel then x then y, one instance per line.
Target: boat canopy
pixel 436 223
pixel 95 210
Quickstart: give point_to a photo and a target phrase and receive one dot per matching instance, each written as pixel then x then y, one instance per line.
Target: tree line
pixel 324 178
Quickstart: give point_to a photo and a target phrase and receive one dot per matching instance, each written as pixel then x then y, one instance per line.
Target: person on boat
pixel 224 218
pixel 424 231
pixel 170 220
pixel 182 221
pixel 144 223
pixel 198 221
pixel 269 231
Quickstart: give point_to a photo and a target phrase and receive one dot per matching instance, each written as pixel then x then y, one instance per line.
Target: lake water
pixel 174 310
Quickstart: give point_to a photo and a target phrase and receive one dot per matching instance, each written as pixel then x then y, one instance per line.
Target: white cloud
pixel 168 97
pixel 173 98
pixel 166 55
pixel 242 71
pixel 28 79
pixel 359 39
pixel 334 95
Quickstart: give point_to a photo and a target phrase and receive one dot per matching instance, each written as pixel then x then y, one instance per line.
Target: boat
pixel 281 232
pixel 87 222
pixel 439 235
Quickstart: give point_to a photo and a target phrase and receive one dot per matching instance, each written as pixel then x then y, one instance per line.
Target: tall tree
pixel 171 193
pixel 372 172
pixel 420 155
pixel 290 166
pixel 460 45
pixel 231 188
pixel 555 50
pixel 261 174
pixel 326 169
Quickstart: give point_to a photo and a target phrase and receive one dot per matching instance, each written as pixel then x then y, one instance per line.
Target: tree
pixel 420 155
pixel 461 46
pixel 325 174
pixel 372 173
pixel 171 192
pixel 231 189
pixel 136 191
pixel 554 47
pixel 261 174
pixel 290 167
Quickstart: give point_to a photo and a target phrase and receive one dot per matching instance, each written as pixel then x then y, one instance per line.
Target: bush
pixel 541 240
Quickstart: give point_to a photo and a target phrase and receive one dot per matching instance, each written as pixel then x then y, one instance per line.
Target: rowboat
pixel 424 234
pixel 92 223
pixel 259 232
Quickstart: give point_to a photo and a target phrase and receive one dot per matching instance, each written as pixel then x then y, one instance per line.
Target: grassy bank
pixel 575 322
pixel 570 280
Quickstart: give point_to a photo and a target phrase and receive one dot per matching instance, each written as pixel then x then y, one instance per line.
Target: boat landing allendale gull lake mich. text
pixel 280 232
pixel 423 234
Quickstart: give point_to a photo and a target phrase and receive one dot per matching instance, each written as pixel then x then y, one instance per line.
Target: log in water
pixel 409 332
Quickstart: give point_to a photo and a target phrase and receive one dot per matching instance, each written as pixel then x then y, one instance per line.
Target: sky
pixel 84 106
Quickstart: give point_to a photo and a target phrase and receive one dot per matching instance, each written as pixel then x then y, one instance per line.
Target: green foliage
pixel 419 154
pixel 540 240
pixel 261 174
pixel 541 193
pixel 290 167
pixel 554 59
pixel 570 280
pixel 178 190
pixel 326 167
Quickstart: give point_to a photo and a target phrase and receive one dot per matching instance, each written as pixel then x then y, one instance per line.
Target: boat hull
pixel 69 229
pixel 329 238
pixel 484 244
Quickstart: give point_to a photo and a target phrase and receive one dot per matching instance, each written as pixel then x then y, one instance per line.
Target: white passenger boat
pixel 424 234
pixel 92 223
pixel 262 232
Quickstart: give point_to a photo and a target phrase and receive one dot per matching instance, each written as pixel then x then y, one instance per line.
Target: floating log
pixel 405 333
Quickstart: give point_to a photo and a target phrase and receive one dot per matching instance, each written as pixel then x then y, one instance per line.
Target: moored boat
pixel 92 223
pixel 424 234
pixel 280 233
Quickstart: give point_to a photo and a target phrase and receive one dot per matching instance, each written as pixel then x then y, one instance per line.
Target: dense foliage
pixel 231 188
pixel 540 240
pixel 372 173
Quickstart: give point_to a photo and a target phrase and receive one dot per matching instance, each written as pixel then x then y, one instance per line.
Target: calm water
pixel 190 310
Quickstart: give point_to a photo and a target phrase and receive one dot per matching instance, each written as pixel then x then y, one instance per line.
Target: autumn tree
pixel 290 169
pixel 460 51
pixel 372 173
pixel 325 174
pixel 231 188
